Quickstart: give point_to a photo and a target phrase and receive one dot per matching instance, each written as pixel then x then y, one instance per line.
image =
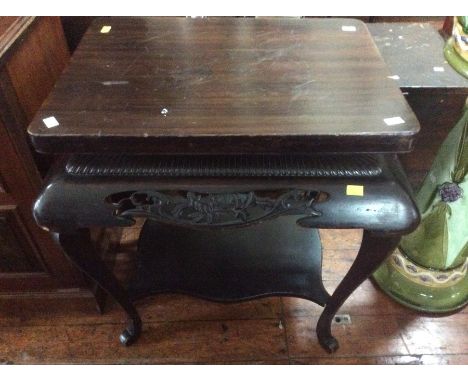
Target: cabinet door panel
pixel 30 258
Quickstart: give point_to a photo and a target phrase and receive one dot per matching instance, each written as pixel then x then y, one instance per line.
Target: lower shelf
pixel 276 257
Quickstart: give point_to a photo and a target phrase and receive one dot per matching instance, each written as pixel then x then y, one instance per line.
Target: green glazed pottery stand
pixel 457 62
pixel 428 272
pixel 455 50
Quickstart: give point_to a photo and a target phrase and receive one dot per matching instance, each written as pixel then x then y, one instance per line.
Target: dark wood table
pixel 207 126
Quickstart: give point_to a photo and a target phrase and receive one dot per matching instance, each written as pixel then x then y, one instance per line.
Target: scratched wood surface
pixel 180 330
pixel 225 85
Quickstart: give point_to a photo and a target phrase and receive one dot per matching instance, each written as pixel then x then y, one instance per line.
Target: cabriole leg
pixel 78 247
pixel 375 248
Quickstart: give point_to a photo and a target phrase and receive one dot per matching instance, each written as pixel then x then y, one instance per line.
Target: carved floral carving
pixel 213 209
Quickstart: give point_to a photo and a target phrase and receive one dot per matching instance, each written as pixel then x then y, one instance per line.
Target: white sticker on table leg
pixel 50 122
pixel 348 28
pixel 106 29
pixel 394 121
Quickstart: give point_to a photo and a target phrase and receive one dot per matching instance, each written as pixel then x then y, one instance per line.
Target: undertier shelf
pixel 276 257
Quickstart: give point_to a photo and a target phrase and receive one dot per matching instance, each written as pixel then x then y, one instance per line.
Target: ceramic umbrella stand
pixel 428 272
pixel 456 48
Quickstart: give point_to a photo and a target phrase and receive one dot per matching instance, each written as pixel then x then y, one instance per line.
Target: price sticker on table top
pixel 354 190
pixel 348 28
pixel 106 29
pixel 394 121
pixel 50 122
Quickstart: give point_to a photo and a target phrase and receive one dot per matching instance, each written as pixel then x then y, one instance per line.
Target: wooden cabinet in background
pixel 33 53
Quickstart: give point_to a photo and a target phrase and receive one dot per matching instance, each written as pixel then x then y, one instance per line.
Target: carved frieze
pixel 213 209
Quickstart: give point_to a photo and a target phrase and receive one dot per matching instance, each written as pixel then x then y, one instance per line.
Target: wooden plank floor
pixel 179 329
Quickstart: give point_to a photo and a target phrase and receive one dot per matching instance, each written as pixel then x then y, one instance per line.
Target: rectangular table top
pixel 225 85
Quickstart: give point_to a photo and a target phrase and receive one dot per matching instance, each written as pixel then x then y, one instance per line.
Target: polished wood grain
pixel 12 30
pixel 225 85
pixel 425 359
pixel 183 330
pixel 37 63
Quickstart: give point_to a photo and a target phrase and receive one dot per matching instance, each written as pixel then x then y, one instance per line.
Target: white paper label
pixel 50 122
pixel 394 121
pixel 438 69
pixel 394 77
pixel 348 28
pixel 106 29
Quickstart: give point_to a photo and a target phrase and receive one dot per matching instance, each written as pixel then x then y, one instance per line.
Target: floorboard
pixel 185 330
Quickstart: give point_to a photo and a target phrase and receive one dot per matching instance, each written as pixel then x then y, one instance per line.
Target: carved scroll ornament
pixel 213 209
